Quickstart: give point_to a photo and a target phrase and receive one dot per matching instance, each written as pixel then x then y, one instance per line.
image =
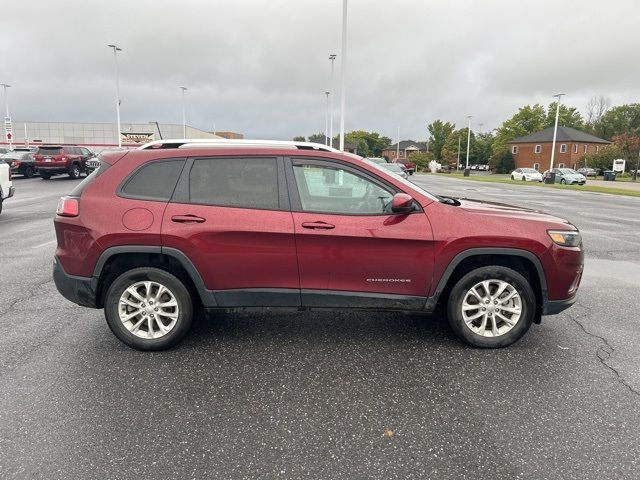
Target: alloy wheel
pixel 148 310
pixel 491 308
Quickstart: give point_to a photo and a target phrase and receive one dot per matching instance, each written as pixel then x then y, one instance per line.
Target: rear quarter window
pixel 153 181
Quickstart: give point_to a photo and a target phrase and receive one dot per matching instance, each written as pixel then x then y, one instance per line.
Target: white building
pixel 98 136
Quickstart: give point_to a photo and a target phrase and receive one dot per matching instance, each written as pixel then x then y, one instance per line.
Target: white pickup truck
pixel 6 185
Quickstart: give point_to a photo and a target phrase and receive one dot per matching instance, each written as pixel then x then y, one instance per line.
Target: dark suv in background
pixel 157 232
pixel 62 159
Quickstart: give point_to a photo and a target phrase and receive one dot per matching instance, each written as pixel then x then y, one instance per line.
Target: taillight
pixel 68 207
pixel 15 164
pixel 63 158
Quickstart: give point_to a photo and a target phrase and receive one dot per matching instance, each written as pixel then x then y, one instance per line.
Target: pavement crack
pixel 604 352
pixel 12 304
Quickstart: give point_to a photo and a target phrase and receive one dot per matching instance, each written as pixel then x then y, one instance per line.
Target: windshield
pixel 404 181
pixel 15 155
pixel 529 170
pixel 393 167
pixel 568 171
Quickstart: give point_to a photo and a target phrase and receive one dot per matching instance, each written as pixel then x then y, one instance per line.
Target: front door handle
pixel 187 219
pixel 318 225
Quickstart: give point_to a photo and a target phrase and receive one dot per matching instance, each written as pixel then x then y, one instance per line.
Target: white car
pixel 526 174
pixel 6 185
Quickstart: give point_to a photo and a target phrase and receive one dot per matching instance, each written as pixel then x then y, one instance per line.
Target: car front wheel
pixel 74 171
pixel 563 181
pixel 148 309
pixel 491 307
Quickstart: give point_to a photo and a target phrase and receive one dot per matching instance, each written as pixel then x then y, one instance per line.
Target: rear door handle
pixel 187 219
pixel 318 225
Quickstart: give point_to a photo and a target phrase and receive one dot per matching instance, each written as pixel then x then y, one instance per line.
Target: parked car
pixel 21 163
pixel 380 160
pixel 588 172
pixel 62 159
pixel 299 226
pixel 6 184
pixel 526 174
pixel 569 176
pixel 410 166
pixel 396 168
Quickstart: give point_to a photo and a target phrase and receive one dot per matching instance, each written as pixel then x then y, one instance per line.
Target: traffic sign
pixel 9 136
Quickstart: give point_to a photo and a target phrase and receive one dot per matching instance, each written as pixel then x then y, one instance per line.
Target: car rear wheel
pixel 524 179
pixel 28 172
pixel 148 309
pixel 491 307
pixel 74 171
pixel 45 175
pixel 512 177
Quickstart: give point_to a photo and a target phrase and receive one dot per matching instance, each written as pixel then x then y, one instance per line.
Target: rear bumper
pixel 553 307
pixel 80 290
pixel 52 170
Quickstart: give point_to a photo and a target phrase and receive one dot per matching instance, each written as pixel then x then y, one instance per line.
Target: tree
pixel 450 148
pixel 503 163
pixel 630 146
pixel 317 138
pixel 369 144
pixel 603 159
pixel 482 147
pixel 299 139
pixel 619 120
pixel 596 109
pixel 421 159
pixel 439 131
pixel 568 117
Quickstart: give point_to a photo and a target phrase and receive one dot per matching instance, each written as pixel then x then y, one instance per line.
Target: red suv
pixel 157 232
pixel 61 159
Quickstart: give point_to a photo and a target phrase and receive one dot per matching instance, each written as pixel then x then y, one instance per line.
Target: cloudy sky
pixel 260 67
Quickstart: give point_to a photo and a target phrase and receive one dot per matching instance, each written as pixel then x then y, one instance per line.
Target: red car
pixel 61 159
pixel 409 166
pixel 157 232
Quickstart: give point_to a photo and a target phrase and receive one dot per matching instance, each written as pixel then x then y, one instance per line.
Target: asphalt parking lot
pixel 323 395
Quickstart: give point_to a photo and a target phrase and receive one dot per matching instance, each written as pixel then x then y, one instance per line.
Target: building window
pixel 561 165
pixel 536 166
pixel 538 149
pixel 563 148
pixel 575 148
pixel 585 148
pixel 514 149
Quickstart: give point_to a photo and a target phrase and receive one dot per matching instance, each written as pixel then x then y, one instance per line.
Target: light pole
pixel 458 164
pixel 7 118
pixel 468 141
pixel 326 121
pixel 343 73
pixel 398 146
pixel 184 114
pixel 117 49
pixel 332 58
pixel 555 129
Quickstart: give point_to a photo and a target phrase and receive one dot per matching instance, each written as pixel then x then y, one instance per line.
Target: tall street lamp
pixel 326 121
pixel 555 129
pixel 343 73
pixel 332 58
pixel 468 140
pixel 117 49
pixel 184 114
pixel 7 118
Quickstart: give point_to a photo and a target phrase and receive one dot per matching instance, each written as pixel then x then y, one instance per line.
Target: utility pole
pixel 326 121
pixel 398 146
pixel 458 164
pixel 468 140
pixel 117 49
pixel 332 58
pixel 8 129
pixel 184 114
pixel 343 65
pixel 555 129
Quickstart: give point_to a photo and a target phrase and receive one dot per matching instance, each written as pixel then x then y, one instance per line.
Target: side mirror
pixel 402 203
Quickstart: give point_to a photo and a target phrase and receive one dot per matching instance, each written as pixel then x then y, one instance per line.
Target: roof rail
pixel 222 143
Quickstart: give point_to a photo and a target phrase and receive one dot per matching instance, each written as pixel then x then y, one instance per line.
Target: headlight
pixel 566 238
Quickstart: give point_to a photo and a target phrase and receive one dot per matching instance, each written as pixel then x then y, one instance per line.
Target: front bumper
pixel 80 290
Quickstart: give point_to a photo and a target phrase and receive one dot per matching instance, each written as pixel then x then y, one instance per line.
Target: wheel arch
pixel 523 261
pixel 116 260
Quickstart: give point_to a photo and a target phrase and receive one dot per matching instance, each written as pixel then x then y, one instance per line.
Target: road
pixel 323 395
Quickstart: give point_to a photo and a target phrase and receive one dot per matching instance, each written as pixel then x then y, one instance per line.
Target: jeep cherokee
pixel 157 232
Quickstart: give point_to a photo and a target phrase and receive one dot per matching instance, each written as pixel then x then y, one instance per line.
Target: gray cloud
pixel 261 67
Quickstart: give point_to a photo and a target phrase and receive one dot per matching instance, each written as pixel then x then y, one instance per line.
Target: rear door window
pixel 248 182
pixel 153 181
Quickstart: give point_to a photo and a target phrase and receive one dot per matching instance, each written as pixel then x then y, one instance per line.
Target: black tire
pixel 45 175
pixel 177 288
pixel 74 171
pixel 563 182
pixel 524 179
pixel 456 298
pixel 28 172
pixel 0 203
pixel 512 177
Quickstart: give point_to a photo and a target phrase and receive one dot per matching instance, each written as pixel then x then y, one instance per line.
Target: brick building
pixel 534 150
pixel 407 147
